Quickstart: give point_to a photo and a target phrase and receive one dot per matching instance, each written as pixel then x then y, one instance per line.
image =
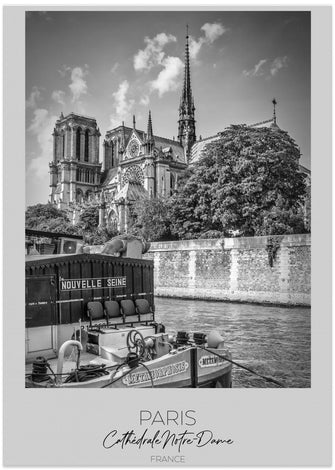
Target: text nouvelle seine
pixel 92 283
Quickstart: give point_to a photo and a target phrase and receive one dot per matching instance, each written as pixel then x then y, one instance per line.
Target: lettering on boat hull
pixel 210 361
pixel 92 283
pixel 156 374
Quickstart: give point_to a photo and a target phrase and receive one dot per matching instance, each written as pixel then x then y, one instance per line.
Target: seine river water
pixel 274 341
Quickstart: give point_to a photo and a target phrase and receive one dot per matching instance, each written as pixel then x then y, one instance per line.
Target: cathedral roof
pixel 76 116
pixel 177 149
pixel 199 145
pixel 159 142
pixel 268 123
pixel 274 125
pixel 132 191
pixel 140 133
pixel 305 170
pixel 108 176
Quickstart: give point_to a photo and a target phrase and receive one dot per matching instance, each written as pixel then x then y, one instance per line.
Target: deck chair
pixel 96 312
pixel 144 310
pixel 113 312
pixel 129 311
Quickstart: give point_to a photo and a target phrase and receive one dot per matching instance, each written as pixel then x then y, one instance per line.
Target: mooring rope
pixel 149 372
pixel 128 372
pixel 119 378
pixel 268 379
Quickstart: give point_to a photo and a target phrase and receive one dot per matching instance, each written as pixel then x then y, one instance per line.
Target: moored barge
pixel 90 322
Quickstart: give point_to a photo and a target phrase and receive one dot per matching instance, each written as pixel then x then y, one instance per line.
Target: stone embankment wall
pixel 235 269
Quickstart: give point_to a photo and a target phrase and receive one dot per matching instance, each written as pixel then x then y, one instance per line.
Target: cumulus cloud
pixel 153 53
pixel 171 67
pixel 38 120
pixel 80 108
pixel 41 127
pixel 58 96
pixel 277 64
pixel 64 70
pixel 167 79
pixel 122 103
pixel 267 68
pixel 34 97
pixel 145 100
pixel 257 70
pixel 212 31
pixel 115 67
pixel 195 46
pixel 78 85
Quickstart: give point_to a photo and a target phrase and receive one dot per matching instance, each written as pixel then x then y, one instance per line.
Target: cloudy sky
pixel 111 65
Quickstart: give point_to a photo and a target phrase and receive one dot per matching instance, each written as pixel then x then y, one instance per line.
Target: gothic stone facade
pixel 135 164
pixel 75 171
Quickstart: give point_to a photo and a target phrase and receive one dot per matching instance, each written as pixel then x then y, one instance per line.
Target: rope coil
pixel 40 370
pixel 87 372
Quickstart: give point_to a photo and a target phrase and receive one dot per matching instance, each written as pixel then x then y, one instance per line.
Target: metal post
pixel 194 367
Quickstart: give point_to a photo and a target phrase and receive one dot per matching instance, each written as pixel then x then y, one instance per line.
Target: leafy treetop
pixel 248 182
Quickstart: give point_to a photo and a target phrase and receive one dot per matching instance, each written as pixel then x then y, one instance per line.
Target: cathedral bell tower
pixel 186 123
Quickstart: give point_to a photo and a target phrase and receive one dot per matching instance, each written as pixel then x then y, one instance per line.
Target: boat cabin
pixel 90 292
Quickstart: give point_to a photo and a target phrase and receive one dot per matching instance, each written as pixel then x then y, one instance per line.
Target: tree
pixel 89 225
pixel 151 219
pixel 247 182
pixel 49 218
pixel 98 236
pixel 89 217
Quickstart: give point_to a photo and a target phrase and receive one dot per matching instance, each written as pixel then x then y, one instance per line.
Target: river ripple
pixel 274 341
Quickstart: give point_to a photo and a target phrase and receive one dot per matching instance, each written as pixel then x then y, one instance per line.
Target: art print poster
pixel 168 305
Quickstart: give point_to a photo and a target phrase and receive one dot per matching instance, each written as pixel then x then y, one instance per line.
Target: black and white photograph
pixel 168 199
pixel 171 187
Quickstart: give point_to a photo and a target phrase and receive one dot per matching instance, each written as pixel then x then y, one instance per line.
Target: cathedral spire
pixel 150 142
pixel 149 129
pixel 123 137
pixel 187 91
pixel 186 123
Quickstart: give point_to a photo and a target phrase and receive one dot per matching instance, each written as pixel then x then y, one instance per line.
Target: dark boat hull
pixel 191 367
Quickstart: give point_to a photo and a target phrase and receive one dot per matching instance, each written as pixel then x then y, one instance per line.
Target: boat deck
pixel 70 362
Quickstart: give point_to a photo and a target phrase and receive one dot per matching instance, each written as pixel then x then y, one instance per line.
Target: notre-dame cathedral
pixel 136 164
